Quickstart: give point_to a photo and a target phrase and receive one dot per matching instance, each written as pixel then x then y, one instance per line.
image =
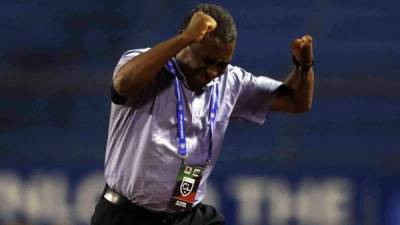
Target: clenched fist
pixel 302 50
pixel 199 26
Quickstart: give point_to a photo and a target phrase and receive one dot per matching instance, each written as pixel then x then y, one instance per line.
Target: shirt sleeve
pixel 128 55
pixel 254 95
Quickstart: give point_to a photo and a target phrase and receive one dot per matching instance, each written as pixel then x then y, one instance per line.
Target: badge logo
pixel 196 172
pixel 186 186
pixel 188 170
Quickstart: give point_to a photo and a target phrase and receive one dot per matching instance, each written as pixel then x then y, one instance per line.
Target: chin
pixel 198 89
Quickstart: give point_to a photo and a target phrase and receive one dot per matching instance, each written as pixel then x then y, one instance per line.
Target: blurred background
pixel 336 165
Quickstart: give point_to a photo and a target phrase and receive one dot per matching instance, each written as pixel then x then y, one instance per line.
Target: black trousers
pixel 106 213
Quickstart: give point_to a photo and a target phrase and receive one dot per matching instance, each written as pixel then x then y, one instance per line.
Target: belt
pixel 114 197
pixel 118 199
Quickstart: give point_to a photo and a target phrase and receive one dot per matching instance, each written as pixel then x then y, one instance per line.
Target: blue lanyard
pixel 180 114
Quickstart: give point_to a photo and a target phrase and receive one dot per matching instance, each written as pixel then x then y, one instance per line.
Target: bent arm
pixel 141 70
pixel 295 95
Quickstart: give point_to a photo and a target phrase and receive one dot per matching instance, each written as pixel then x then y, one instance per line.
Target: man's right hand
pixel 199 26
pixel 138 73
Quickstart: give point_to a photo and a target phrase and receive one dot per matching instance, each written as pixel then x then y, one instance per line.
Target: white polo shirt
pixel 142 159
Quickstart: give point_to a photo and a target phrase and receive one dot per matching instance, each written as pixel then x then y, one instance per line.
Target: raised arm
pixel 296 93
pixel 139 72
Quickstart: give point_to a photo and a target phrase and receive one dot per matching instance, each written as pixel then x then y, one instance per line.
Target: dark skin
pixel 203 61
pixel 138 73
pixel 204 57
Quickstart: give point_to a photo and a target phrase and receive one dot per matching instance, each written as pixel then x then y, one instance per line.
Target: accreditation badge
pixel 186 186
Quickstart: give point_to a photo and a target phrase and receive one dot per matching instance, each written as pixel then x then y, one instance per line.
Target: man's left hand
pixel 302 50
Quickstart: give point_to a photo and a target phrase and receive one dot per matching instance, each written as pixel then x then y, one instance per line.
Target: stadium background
pixel 336 165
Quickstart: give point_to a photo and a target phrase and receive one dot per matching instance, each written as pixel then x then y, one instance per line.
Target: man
pixel 171 105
